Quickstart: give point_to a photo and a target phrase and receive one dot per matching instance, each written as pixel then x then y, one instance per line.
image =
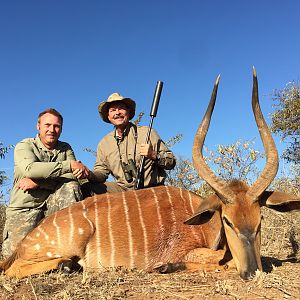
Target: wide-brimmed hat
pixel 104 106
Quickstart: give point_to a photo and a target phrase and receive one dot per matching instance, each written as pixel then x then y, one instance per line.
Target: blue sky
pixel 71 55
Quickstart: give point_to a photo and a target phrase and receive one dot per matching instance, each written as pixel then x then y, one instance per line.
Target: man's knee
pixel 65 195
pixel 6 248
pixel 70 190
pixel 17 225
pixel 72 185
pixel 10 241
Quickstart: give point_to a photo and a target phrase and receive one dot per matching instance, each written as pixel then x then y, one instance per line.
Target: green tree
pixel 234 161
pixel 286 120
pixel 4 150
pixel 3 177
pixel 184 175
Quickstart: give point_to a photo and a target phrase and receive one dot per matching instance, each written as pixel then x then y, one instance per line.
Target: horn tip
pixel 218 79
pixel 254 72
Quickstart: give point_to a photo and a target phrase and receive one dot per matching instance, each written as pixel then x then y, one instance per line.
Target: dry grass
pixel 281 279
pixel 281 234
pixel 282 283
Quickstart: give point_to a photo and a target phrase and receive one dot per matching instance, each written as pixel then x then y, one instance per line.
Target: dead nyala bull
pixel 160 226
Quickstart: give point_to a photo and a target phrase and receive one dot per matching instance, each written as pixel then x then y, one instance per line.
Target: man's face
pixel 118 114
pixel 49 128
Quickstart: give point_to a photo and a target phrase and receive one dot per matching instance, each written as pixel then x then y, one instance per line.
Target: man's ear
pixel 280 201
pixel 208 206
pixel 38 126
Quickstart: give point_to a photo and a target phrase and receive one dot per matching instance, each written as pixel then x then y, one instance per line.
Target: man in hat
pixel 45 179
pixel 119 152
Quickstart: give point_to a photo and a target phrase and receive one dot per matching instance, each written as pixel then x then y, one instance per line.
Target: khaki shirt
pixel 33 160
pixel 111 153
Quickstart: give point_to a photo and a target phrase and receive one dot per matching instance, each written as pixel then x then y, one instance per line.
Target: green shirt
pixel 112 152
pixel 49 167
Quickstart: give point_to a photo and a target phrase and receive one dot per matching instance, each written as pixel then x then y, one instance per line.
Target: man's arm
pixel 101 171
pixel 45 174
pixel 79 170
pixel 31 166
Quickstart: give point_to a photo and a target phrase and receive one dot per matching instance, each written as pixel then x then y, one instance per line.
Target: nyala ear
pixel 207 207
pixel 280 201
pixel 200 218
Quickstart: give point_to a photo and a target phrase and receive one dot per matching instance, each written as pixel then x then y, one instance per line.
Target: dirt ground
pixel 280 279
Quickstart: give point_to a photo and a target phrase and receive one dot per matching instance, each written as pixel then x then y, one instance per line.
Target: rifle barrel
pixel 156 98
pixel 139 184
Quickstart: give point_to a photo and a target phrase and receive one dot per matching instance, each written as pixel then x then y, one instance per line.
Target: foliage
pixel 3 178
pixel 137 121
pixel 4 150
pixel 289 181
pixel 234 161
pixel 89 150
pixel 174 140
pixel 184 175
pixel 286 119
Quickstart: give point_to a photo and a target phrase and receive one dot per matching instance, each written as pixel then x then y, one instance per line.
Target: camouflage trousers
pixel 20 221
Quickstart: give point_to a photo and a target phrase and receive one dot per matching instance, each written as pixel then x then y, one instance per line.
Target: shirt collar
pixel 42 146
pixel 124 133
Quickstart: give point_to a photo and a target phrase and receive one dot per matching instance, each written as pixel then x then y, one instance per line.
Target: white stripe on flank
pixel 191 203
pixel 71 221
pixel 144 229
pixel 131 263
pixel 41 230
pixel 87 257
pixel 110 233
pixel 57 231
pixel 184 203
pixel 160 223
pixel 188 212
pixel 86 217
pixel 98 239
pixel 172 208
pixel 181 194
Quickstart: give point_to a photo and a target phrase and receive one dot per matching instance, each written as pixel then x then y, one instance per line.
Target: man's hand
pixel 26 184
pixel 147 151
pixel 79 170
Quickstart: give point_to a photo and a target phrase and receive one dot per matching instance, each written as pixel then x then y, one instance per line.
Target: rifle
pixel 139 184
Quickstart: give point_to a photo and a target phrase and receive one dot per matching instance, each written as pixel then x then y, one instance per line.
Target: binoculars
pixel 129 170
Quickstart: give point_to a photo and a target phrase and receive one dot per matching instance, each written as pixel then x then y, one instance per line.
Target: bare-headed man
pixel 46 177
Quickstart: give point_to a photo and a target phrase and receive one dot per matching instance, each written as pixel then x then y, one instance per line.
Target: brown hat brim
pixel 104 106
